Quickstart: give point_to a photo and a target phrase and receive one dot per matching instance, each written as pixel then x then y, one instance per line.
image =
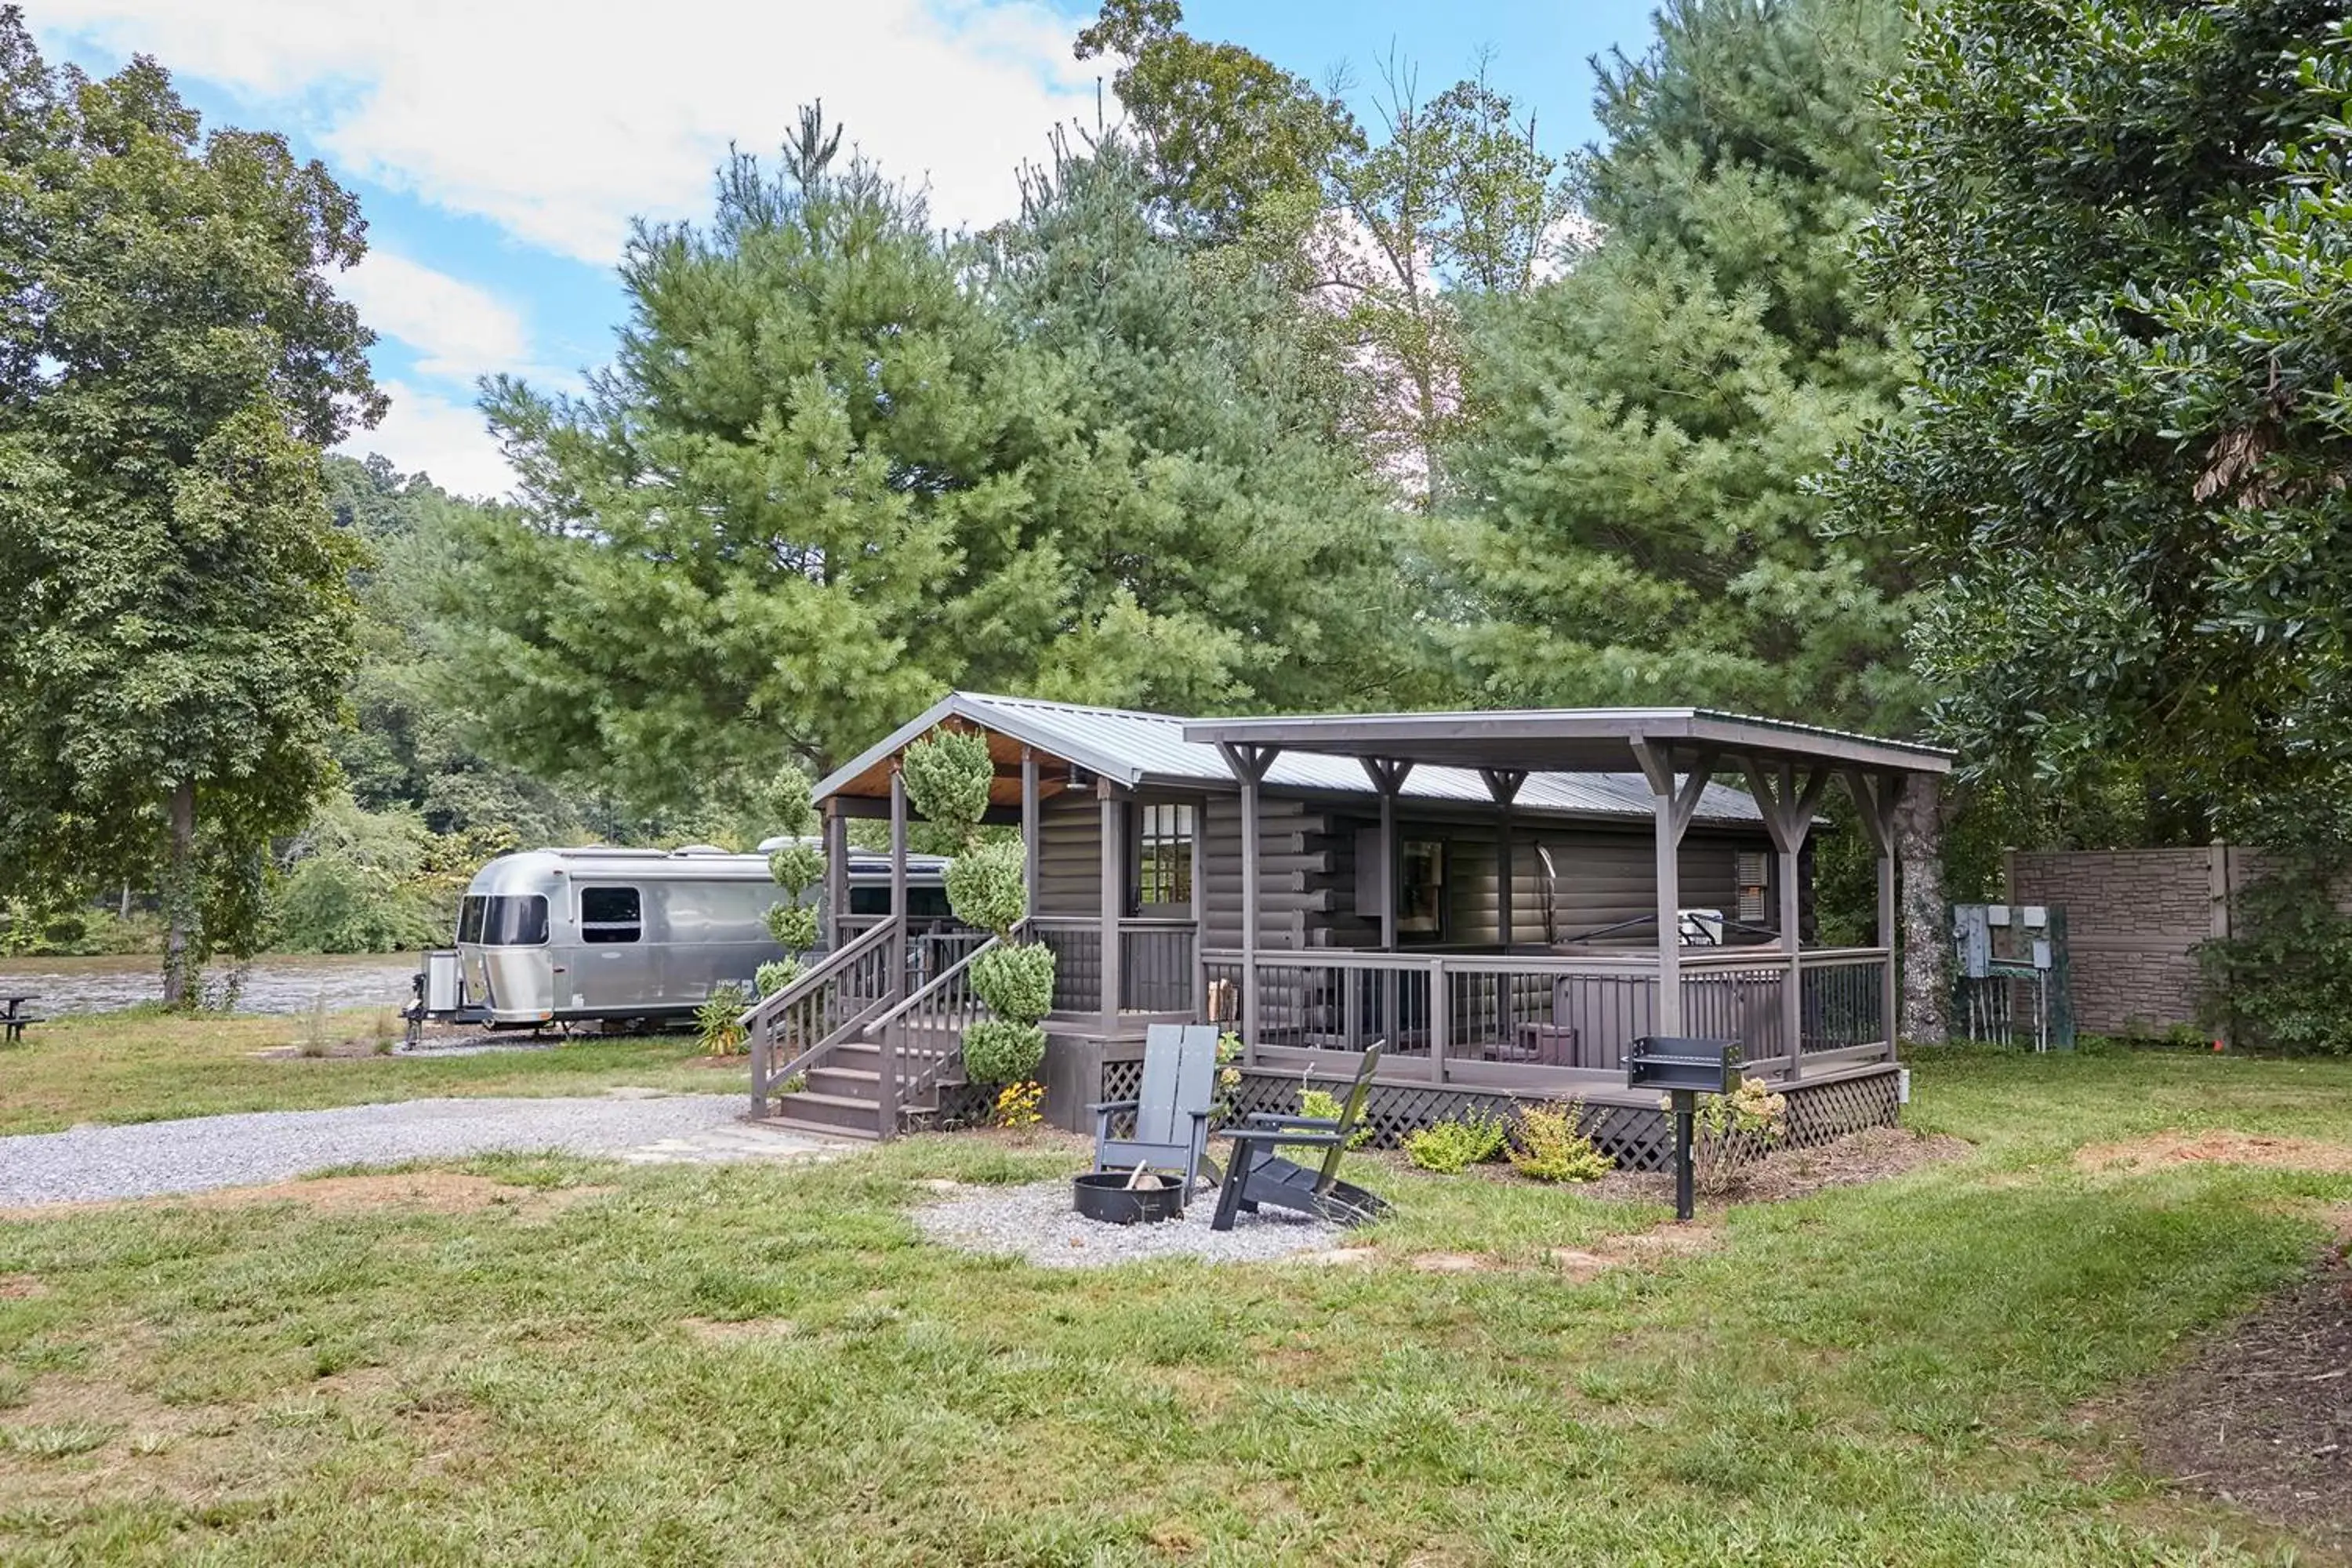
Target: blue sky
pixel 500 147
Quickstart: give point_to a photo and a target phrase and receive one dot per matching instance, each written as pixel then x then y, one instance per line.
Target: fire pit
pixel 1106 1196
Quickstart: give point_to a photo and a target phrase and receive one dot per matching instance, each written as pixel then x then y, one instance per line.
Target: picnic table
pixel 13 1018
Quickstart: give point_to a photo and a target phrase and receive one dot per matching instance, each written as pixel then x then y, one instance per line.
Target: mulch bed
pixel 1870 1155
pixel 2262 1418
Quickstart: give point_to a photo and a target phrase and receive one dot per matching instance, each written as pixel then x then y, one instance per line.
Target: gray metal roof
pixel 1132 748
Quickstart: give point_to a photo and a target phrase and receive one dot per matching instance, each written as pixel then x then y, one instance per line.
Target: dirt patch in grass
pixel 2261 1415
pixel 729 1331
pixel 21 1288
pixel 423 1192
pixel 2220 1147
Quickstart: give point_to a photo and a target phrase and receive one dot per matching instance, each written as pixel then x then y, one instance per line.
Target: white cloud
pixel 458 330
pixel 560 120
pixel 447 438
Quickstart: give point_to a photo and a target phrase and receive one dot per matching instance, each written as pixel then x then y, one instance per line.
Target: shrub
pixel 719 1019
pixel 1016 982
pixel 797 866
pixel 1729 1133
pixel 985 888
pixel 1000 1050
pixel 1450 1148
pixel 794 926
pixel 1546 1146
pixel 774 976
pixel 947 774
pixel 1322 1103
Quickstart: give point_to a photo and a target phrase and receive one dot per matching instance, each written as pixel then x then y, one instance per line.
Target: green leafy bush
pixel 947 774
pixel 1016 982
pixel 1545 1145
pixel 1729 1133
pixel 985 887
pixel 774 976
pixel 719 1020
pixel 1323 1104
pixel 1450 1148
pixel 999 1050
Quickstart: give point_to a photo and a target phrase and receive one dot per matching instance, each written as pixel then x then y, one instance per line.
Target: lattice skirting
pixel 1637 1138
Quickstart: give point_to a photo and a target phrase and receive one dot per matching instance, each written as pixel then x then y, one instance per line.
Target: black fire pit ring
pixel 1104 1196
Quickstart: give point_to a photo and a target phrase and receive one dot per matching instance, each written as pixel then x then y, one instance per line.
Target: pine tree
pixel 1635 522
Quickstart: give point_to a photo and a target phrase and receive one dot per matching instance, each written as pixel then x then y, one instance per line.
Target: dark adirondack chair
pixel 1259 1176
pixel 1172 1113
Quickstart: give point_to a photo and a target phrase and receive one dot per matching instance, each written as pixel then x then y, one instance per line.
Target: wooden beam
pixel 1504 784
pixel 1113 860
pixel 1031 823
pixel 1658 767
pixel 837 873
pixel 1249 764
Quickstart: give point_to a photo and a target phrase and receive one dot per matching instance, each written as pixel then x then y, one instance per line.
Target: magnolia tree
pixel 947 776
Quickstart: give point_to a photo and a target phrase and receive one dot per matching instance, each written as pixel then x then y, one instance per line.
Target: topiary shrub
pixel 1016 983
pixel 795 867
pixel 985 888
pixel 1000 1050
pixel 947 774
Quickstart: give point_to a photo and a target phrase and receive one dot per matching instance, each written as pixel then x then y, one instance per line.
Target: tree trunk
pixel 122 911
pixel 1927 942
pixel 180 897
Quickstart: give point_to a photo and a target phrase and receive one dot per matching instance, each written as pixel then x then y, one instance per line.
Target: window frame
pixel 609 932
pixel 1162 839
pixel 1408 931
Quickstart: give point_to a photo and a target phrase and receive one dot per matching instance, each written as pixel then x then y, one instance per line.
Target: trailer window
pixel 923 903
pixel 610 914
pixel 469 919
pixel 512 919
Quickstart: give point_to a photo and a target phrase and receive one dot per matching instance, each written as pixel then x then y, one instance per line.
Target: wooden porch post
pixel 837 873
pixel 1658 767
pixel 1674 805
pixel 1114 897
pixel 1789 817
pixel 1388 778
pixel 1503 783
pixel 1249 764
pixel 1030 824
pixel 1873 798
pixel 886 1088
pixel 1198 905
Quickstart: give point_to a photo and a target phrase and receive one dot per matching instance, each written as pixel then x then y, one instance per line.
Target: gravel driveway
pixel 152 1157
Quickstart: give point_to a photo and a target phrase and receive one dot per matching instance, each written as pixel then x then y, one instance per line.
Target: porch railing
pixel 821 1010
pixel 921 1038
pixel 1156 971
pixel 1507 1018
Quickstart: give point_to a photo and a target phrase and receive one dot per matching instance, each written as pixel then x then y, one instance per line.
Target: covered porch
pixel 1556 1019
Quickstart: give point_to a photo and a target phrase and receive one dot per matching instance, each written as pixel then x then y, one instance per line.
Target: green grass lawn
pixel 142 1065
pixel 745 1366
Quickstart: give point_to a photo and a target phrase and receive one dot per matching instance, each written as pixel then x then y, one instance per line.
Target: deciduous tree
pixel 177 645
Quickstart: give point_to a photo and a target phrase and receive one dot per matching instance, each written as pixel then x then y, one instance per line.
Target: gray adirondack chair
pixel 1172 1113
pixel 1260 1175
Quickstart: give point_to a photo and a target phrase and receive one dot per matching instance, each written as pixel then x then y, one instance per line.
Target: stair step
pixel 820 1129
pixel 841 1112
pixel 850 1083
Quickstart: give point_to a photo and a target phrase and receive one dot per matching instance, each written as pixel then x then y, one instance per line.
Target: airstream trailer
pixel 563 936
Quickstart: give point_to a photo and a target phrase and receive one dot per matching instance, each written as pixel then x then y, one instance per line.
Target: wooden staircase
pixel 866 1063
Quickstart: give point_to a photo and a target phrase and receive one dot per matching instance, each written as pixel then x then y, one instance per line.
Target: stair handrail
pixel 760 1018
pixel 911 1003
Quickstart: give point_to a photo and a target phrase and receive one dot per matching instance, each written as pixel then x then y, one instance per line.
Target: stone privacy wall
pixel 2134 919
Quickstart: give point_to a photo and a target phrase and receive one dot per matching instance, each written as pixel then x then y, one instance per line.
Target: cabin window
pixel 1163 869
pixel 1420 889
pixel 610 914
pixel 503 919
